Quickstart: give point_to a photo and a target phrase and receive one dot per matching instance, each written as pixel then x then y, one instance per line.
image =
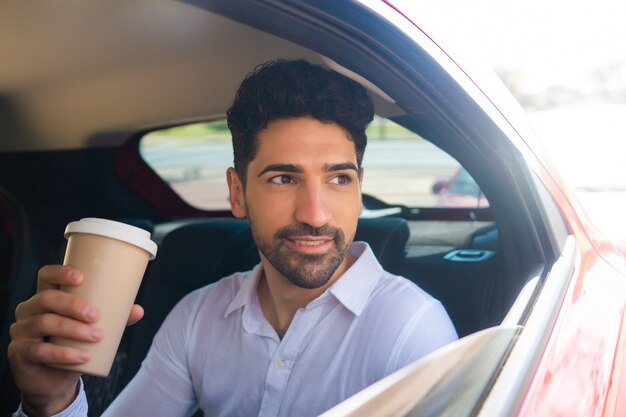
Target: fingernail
pixel 83 355
pixel 91 313
pixel 74 276
pixel 95 333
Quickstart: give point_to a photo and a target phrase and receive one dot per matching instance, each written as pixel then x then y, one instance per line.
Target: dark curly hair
pixel 283 89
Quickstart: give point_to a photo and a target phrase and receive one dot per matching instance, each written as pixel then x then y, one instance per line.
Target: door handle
pixel 469 255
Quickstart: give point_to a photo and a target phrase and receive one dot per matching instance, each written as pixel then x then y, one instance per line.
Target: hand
pixel 51 312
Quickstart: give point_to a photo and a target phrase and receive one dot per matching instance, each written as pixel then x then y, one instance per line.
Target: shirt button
pixel 279 364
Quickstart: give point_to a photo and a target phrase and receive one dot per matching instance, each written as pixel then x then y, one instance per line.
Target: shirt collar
pixel 246 291
pixel 352 289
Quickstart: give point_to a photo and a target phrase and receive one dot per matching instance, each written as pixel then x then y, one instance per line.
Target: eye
pixel 341 179
pixel 282 179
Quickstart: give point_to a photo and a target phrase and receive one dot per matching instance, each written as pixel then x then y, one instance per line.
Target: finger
pixel 136 314
pixel 51 276
pixel 48 353
pixel 43 325
pixel 57 302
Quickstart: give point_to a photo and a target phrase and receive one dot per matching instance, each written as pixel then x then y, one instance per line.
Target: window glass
pixel 400 166
pixel 192 159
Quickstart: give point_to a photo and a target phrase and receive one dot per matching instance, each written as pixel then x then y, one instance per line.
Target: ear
pixel 361 188
pixel 236 194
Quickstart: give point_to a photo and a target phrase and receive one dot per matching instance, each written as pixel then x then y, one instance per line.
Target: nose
pixel 311 206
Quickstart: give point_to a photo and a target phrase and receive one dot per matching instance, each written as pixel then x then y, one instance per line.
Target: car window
pixel 401 168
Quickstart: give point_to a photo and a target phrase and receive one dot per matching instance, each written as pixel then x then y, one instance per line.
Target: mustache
pixel 301 229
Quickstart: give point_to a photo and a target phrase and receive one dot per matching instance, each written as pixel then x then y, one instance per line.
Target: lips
pixel 306 240
pixel 309 242
pixel 311 245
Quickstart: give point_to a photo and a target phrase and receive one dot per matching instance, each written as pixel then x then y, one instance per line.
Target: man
pixel 315 322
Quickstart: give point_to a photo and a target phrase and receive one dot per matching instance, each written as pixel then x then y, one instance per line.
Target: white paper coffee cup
pixel 113 257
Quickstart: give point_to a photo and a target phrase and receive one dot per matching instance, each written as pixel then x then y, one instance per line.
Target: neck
pixel 280 299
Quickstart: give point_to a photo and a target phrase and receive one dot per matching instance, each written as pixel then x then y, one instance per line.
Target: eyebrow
pixel 280 168
pixel 297 169
pixel 340 167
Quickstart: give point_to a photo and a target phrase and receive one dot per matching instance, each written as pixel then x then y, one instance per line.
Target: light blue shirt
pixel 217 351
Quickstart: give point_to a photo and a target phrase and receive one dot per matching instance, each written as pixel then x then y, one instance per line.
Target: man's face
pixel 302 198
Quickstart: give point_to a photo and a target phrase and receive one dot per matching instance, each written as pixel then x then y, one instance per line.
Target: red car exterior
pixel 581 371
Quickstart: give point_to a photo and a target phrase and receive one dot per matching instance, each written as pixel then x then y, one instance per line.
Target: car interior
pixel 74 111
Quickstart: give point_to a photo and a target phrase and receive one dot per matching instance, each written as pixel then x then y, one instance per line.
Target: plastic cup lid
pixel 115 230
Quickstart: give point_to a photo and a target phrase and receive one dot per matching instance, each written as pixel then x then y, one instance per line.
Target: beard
pixel 304 270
